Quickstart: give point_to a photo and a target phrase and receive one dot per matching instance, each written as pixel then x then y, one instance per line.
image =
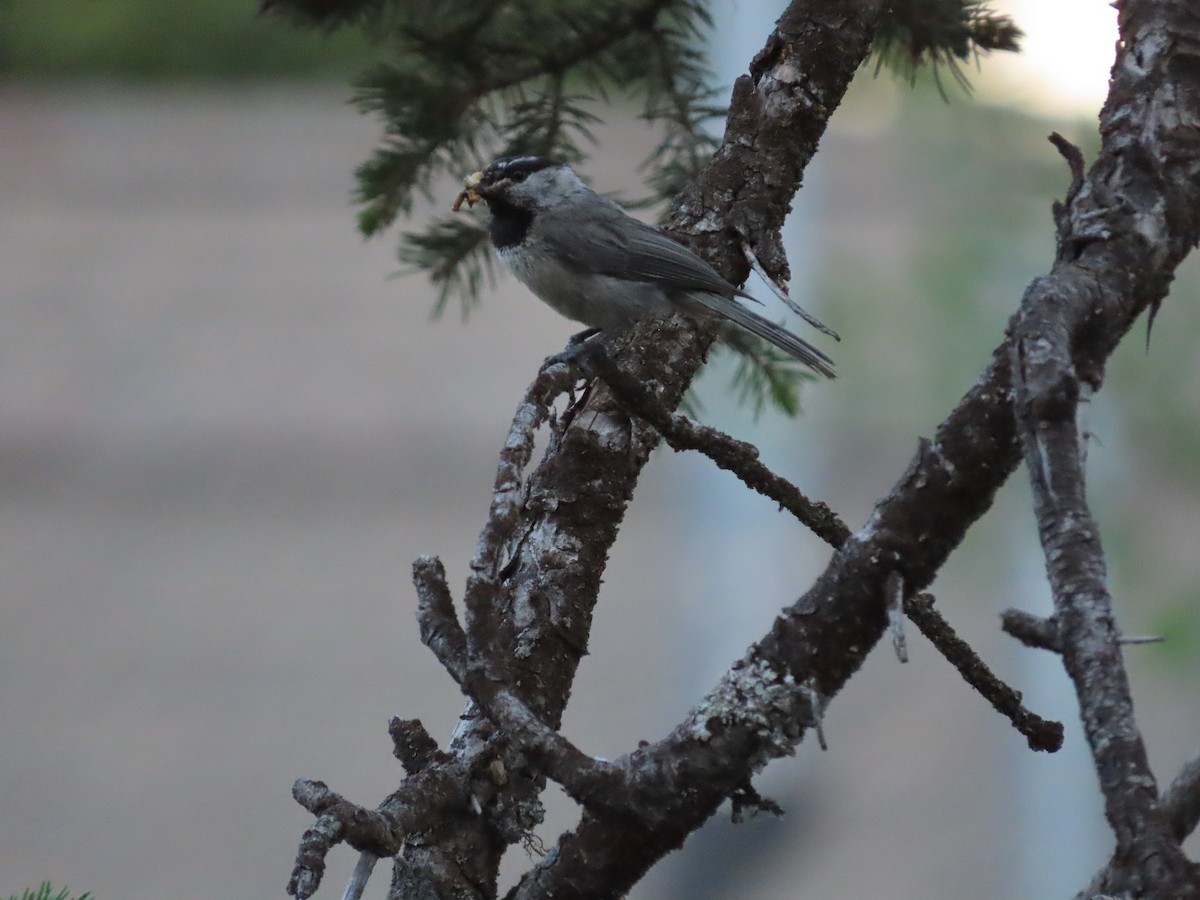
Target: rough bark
pixel 1121 233
pixel 1123 228
pixel 539 590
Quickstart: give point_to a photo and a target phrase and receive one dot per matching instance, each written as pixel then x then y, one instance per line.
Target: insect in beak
pixel 470 193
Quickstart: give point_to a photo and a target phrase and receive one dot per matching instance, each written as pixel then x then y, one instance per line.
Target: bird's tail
pixel 728 308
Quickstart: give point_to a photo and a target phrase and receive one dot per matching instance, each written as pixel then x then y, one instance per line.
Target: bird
pixel 592 262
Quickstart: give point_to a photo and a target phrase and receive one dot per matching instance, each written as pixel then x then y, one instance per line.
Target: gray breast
pixel 599 301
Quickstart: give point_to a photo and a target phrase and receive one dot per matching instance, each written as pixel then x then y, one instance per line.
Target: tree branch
pixel 1032 631
pixel 479 669
pixel 825 636
pixel 1181 807
pixel 738 457
pixel 1121 231
pixel 1181 802
pixel 1042 734
pixel 537 571
pixel 422 799
pixel 742 459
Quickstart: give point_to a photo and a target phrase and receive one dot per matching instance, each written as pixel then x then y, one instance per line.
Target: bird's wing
pixel 791 344
pixel 610 243
pixel 616 244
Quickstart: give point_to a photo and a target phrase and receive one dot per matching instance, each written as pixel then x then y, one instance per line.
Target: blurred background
pixel 228 426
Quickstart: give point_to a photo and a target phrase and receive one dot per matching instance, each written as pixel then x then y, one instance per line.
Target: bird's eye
pixel 518 176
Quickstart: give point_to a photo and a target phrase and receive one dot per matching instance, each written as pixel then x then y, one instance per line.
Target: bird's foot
pixel 579 350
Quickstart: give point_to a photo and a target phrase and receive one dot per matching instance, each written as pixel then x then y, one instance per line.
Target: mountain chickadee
pixel 593 263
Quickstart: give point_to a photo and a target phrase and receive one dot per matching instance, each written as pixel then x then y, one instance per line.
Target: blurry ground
pixel 225 434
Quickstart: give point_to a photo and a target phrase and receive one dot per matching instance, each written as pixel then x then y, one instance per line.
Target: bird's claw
pixel 580 349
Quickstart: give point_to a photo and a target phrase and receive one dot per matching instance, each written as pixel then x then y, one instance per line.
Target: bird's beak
pixel 470 192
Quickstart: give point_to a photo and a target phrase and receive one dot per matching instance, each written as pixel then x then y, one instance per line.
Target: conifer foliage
pixel 462 83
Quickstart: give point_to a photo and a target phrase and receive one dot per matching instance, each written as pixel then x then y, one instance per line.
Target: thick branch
pixel 505 512
pixel 1181 802
pixel 1137 204
pixel 825 636
pixel 1181 807
pixel 477 664
pixel 542 596
pixel 818 643
pixel 742 459
pixel 537 575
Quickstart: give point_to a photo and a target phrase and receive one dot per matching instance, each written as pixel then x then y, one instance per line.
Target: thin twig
pixel 1042 734
pixel 894 598
pixel 379 832
pixel 439 627
pixel 816 703
pixel 365 829
pixel 413 745
pixel 359 877
pixel 1032 631
pixel 728 453
pixel 778 290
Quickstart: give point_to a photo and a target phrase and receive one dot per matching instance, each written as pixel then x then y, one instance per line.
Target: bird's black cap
pixel 515 168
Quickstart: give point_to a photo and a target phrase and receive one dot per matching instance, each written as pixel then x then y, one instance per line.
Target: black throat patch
pixel 509 225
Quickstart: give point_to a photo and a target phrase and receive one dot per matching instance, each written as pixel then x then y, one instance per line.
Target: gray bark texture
pixel 1123 228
